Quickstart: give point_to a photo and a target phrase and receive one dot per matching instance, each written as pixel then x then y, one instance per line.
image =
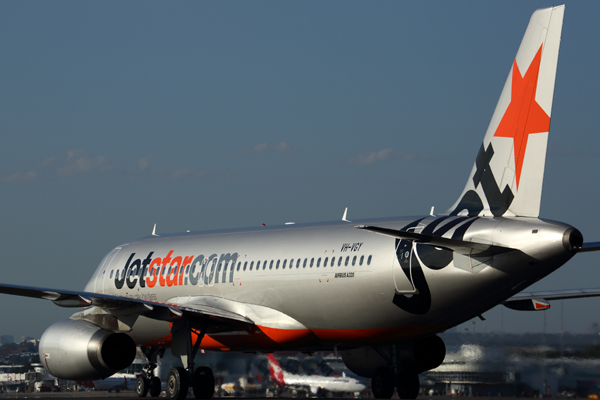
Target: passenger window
pixel 271 265
pixel 187 269
pixel 220 265
pixel 245 265
pixel 284 263
pixel 354 261
pixel 362 258
pixel 251 265
pixel 291 263
pixel 304 265
pixel 111 272
pixel 318 262
pixel 325 263
pixel 298 263
pixel 346 263
pixel 369 260
pixel 340 261
pixel 277 265
pixel 312 261
pixel 224 269
pixel 265 264
pixel 238 267
pixel 257 265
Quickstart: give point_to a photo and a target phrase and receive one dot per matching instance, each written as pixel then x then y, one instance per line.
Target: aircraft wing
pixel 532 301
pixel 460 246
pixel 151 309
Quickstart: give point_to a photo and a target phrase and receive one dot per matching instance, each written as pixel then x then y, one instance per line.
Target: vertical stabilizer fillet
pixel 509 170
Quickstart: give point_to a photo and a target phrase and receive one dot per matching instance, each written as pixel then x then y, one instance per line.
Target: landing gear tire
pixel 203 383
pixel 382 383
pixel 407 385
pixel 177 383
pixel 155 387
pixel 142 385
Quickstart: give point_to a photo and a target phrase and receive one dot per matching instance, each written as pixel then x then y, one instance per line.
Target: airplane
pixel 376 292
pixel 116 382
pixel 316 383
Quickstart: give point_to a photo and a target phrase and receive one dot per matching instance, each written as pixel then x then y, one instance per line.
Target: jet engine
pixel 79 350
pixel 418 356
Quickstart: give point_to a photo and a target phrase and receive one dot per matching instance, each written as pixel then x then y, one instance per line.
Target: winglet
pixel 345 214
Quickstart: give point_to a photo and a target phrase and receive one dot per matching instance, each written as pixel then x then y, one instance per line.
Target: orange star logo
pixel 524 115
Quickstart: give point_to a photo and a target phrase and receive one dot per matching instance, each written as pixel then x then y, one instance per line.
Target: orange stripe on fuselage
pixel 261 337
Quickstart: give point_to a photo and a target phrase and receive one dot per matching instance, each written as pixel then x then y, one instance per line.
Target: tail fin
pixel 507 177
pixel 275 370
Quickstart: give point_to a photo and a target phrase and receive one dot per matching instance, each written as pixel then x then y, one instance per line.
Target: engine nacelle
pixel 79 350
pixel 418 356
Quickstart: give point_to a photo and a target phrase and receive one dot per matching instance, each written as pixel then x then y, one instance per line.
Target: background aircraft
pixel 316 384
pixel 375 290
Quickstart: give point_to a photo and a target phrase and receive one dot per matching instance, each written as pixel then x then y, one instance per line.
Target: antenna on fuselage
pixel 431 212
pixel 345 213
pixel 154 231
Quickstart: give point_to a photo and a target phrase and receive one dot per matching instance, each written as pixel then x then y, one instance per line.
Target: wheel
pixel 155 386
pixel 177 383
pixel 408 385
pixel 203 383
pixel 382 383
pixel 142 385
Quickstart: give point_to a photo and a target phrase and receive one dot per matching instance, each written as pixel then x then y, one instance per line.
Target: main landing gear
pixel 179 379
pixel 405 380
pixel 406 383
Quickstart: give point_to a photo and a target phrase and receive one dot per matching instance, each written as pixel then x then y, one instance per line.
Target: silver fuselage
pixel 395 294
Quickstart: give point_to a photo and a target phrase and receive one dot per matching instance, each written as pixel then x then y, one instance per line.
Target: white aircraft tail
pixel 275 371
pixel 507 177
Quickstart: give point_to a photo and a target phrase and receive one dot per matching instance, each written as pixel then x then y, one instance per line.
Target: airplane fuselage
pixel 312 285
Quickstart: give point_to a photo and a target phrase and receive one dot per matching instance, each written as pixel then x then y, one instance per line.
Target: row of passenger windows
pixel 263 264
pixel 277 264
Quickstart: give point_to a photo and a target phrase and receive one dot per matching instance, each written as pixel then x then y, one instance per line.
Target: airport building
pixel 517 365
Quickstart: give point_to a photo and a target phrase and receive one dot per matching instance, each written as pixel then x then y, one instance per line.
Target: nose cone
pixel 572 240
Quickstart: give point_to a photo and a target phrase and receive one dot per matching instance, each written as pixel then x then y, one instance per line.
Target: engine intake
pixel 79 350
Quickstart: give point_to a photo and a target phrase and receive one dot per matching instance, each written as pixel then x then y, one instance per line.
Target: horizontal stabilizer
pixel 529 301
pixel 528 305
pixel 590 246
pixel 458 246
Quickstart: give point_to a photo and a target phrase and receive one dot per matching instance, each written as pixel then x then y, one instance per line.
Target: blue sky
pixel 205 115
